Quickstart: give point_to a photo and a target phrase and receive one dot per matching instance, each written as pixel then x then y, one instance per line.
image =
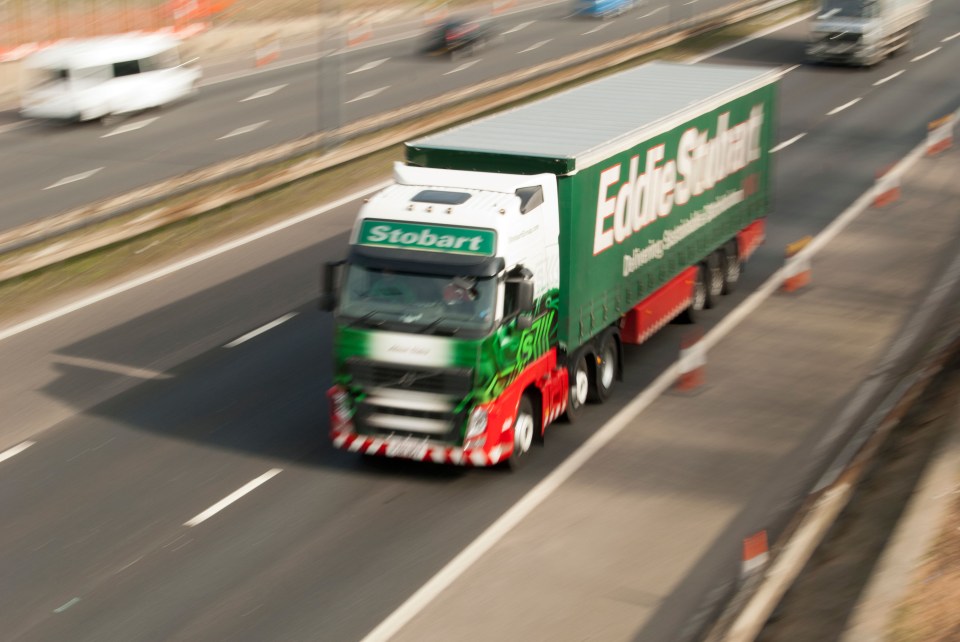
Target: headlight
pixel 477 423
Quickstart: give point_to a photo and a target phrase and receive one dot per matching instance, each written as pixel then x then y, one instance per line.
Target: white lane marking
pixel 246 129
pixel 130 127
pixel 368 94
pixel 260 330
pixel 689 3
pixel 607 432
pixel 367 67
pixel 232 497
pixel 651 13
pixel 837 110
pixel 924 55
pixel 522 25
pixel 16 450
pixel 263 93
pixel 73 179
pixel 66 606
pixel 602 25
pixel 787 143
pixel 789 69
pixel 949 38
pixel 754 36
pixel 465 65
pixel 126 286
pixel 110 366
pixel 536 46
pixel 888 78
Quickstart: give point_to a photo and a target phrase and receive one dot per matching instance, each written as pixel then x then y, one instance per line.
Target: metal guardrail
pixel 40 244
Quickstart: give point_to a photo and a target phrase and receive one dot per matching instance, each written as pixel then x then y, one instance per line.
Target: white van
pixel 99 77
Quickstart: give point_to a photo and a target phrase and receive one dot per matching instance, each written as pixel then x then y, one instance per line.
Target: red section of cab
pixel 750 238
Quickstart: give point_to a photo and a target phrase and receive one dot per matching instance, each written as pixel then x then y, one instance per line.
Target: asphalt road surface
pixel 176 488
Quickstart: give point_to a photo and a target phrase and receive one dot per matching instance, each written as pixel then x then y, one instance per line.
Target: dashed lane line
pixel 535 46
pixel 367 67
pixel 244 130
pixel 787 143
pixel 232 497
pixel 837 110
pixel 263 93
pixel 260 330
pixel 131 127
pixel 368 94
pixel 73 179
pixel 16 450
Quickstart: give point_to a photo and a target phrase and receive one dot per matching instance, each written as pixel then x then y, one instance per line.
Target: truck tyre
pixel 699 299
pixel 579 387
pixel 606 371
pixel 525 432
pixel 714 279
pixel 731 267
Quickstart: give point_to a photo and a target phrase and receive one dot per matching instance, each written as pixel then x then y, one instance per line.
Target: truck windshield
pixel 847 8
pixel 418 303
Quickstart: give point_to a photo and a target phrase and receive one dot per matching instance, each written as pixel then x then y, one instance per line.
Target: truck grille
pixel 453 382
pixel 403 400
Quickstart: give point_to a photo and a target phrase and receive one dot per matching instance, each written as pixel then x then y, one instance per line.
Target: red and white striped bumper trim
pixel 436 453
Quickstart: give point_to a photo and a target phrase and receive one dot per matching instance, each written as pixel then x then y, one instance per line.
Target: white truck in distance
pixel 863 32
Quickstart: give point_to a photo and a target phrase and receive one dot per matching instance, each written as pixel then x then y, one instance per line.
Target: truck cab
pixel 863 32
pixel 445 298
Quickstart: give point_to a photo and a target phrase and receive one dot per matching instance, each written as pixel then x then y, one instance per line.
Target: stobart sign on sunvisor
pixel 433 238
pixel 629 201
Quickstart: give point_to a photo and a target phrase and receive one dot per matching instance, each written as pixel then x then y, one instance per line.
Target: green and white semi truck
pixel 488 291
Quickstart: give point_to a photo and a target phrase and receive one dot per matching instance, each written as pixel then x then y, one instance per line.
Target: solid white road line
pixel 263 93
pixel 368 94
pixel 536 46
pixel 246 129
pixel 73 179
pixel 888 78
pixel 787 143
pixel 130 127
pixel 367 67
pixel 924 55
pixel 16 450
pixel 949 38
pixel 80 304
pixel 837 110
pixel 522 25
pixel 232 497
pixel 465 65
pixel 260 330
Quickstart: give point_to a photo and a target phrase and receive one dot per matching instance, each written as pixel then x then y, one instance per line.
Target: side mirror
pixel 525 297
pixel 330 285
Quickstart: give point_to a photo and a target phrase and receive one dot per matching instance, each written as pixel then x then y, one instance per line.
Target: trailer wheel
pixel 699 300
pixel 525 431
pixel 606 371
pixel 732 267
pixel 714 279
pixel 579 387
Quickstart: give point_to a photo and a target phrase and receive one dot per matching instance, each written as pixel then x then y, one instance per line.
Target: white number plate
pixel 407 448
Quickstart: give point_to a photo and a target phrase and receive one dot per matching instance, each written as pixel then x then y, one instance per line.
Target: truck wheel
pixel 579 388
pixel 606 369
pixel 525 432
pixel 714 279
pixel 731 267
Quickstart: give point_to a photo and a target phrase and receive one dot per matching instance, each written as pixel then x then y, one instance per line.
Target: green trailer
pixel 606 210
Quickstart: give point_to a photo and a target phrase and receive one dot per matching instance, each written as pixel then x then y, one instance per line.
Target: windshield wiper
pixel 364 319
